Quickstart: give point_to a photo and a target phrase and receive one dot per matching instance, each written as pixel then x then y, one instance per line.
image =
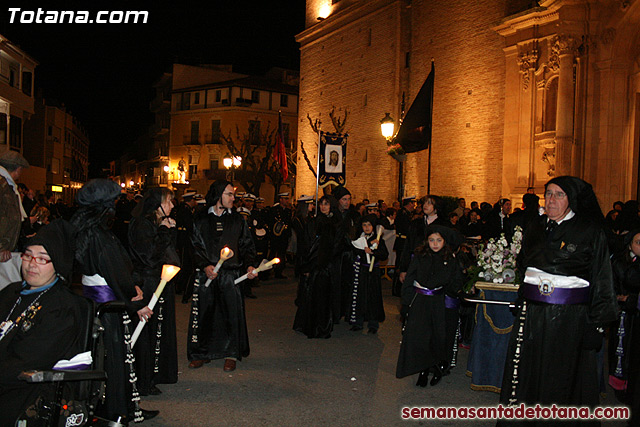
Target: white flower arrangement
pixel 497 260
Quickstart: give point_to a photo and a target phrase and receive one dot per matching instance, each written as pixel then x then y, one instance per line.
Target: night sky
pixel 104 73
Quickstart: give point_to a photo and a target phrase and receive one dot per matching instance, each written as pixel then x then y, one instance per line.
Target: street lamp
pixel 166 168
pixel 387 126
pixel 231 163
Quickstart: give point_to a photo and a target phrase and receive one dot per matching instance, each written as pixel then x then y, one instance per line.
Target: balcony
pixel 244 102
pixel 190 140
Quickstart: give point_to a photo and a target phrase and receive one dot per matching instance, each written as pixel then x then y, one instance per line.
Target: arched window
pixel 551 105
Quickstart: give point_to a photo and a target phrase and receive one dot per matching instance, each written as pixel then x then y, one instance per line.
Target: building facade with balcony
pixel 56 141
pixel 17 74
pixel 207 104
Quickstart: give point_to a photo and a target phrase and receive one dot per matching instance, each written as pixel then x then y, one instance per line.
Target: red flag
pixel 280 153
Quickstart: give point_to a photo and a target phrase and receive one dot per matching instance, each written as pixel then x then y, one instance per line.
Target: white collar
pixel 430 218
pixel 567 217
pixel 213 211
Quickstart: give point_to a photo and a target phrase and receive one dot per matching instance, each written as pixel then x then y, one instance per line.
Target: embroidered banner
pixel 333 159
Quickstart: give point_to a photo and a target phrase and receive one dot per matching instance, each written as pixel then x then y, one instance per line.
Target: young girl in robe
pixel 366 289
pixel 433 273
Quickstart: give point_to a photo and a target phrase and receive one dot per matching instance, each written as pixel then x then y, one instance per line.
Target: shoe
pixel 423 379
pixel 229 365
pixel 440 370
pixel 147 415
pixel 372 331
pixel 356 328
pixel 154 391
pixel 195 364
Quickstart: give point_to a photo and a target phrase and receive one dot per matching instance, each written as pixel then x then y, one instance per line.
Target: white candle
pixel 262 267
pixel 168 271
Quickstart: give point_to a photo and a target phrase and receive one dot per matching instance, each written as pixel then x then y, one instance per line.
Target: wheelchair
pixel 77 393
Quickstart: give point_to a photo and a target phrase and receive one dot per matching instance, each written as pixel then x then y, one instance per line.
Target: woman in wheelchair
pixel 42 320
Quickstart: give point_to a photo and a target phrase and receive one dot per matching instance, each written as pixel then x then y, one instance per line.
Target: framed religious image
pixel 333 159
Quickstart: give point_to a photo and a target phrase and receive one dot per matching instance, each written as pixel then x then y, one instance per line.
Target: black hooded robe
pixel 554 367
pixel 52 326
pixel 320 276
pixel 366 289
pixel 424 340
pixel 218 325
pixel 151 246
pixel 55 333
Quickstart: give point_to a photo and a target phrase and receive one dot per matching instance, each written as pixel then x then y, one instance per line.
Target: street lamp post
pixel 387 127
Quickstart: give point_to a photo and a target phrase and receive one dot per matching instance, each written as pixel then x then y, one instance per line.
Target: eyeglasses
pixel 559 195
pixel 39 260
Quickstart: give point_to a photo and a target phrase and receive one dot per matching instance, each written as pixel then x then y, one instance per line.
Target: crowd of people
pixel 580 270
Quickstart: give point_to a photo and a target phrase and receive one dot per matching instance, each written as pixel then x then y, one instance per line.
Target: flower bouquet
pixel 496 261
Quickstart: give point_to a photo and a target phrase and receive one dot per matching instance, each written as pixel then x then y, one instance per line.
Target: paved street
pixel 289 379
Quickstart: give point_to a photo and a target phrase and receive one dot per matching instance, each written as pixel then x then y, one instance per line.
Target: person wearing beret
pixel 11 210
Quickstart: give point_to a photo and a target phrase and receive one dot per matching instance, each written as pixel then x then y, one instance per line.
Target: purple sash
pixel 428 292
pixel 99 294
pixel 451 302
pixel 557 295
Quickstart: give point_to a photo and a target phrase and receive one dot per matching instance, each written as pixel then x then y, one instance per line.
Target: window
pixel 218 96
pixel 255 96
pixel 27 82
pixel 254 132
pixel 213 162
pixel 284 100
pixel 3 128
pixel 215 131
pixel 193 171
pixel 195 132
pixel 55 165
pixel 13 82
pixel 15 133
pixel 186 100
pixel 196 98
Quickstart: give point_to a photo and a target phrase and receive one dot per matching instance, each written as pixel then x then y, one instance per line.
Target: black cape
pixel 554 367
pixel 318 278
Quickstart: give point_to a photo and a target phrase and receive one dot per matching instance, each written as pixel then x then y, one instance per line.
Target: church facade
pixel 524 91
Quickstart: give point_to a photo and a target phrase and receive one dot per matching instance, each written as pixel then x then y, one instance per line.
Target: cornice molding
pixel 340 19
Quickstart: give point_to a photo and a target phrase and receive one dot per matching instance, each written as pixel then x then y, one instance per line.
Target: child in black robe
pixel 433 272
pixel 366 289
